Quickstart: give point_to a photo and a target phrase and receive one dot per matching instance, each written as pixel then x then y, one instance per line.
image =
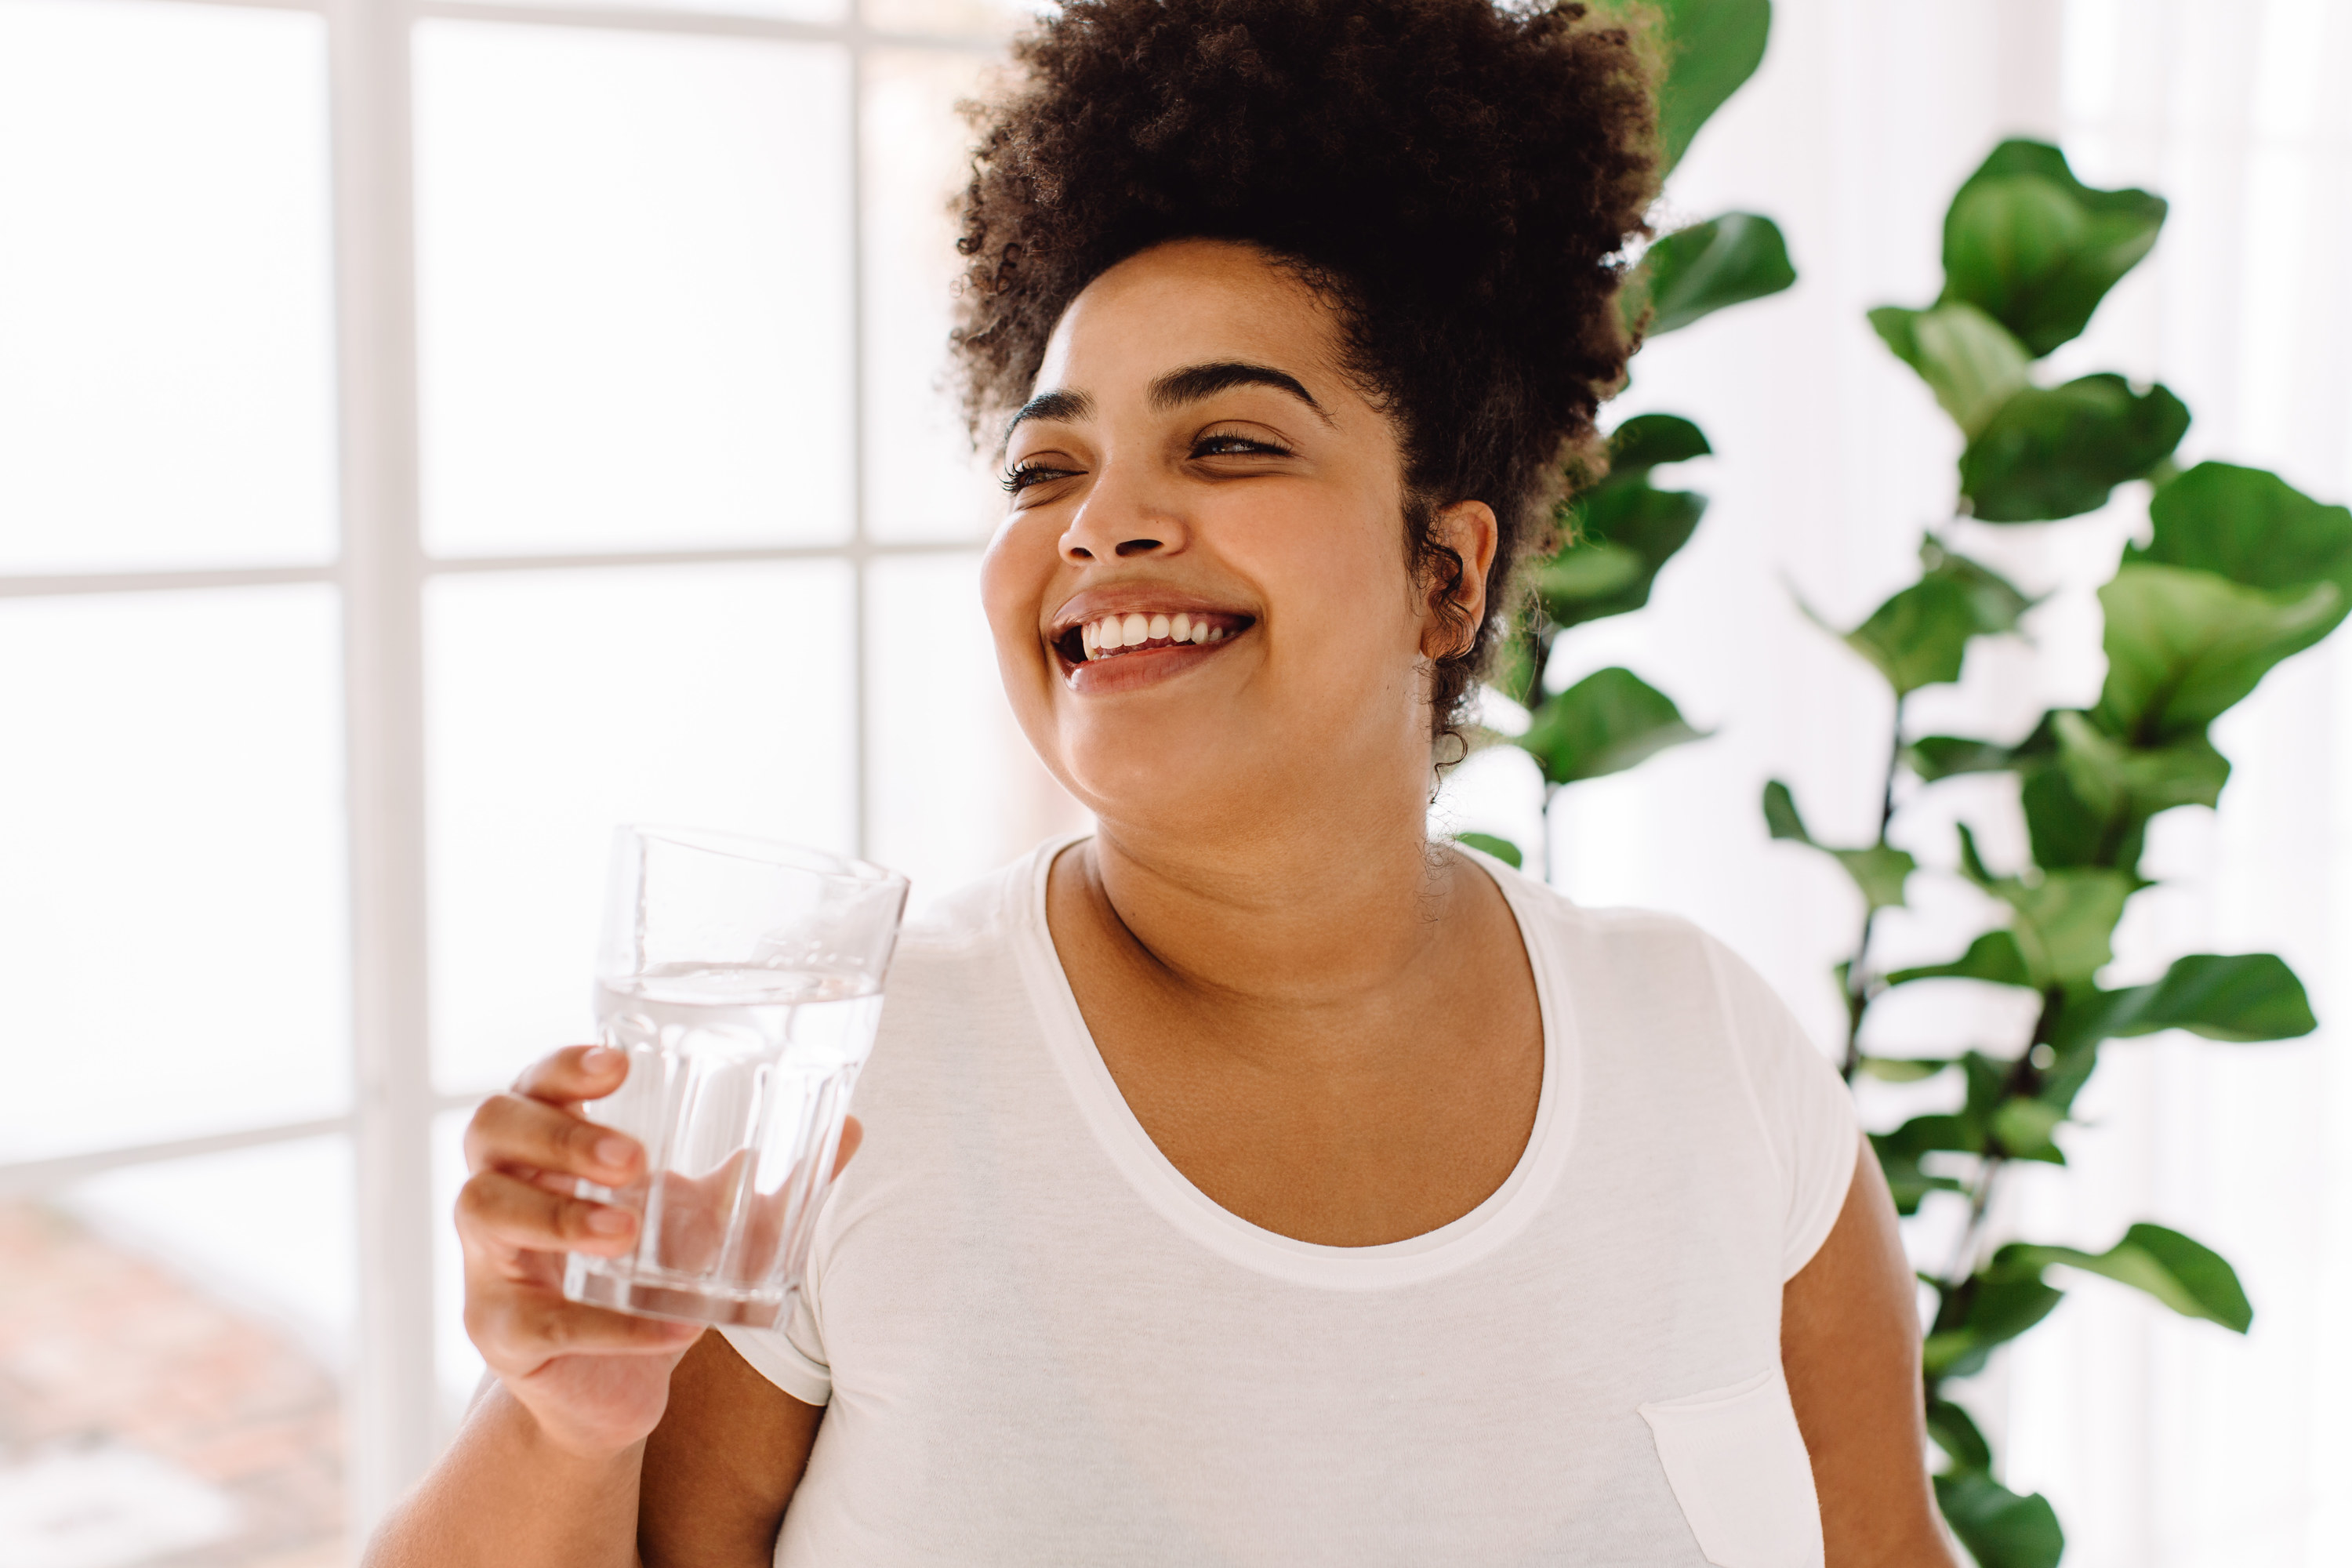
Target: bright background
pixel 432 434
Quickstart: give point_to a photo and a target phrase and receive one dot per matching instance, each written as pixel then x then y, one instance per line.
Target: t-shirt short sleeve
pixel 791 1356
pixel 1806 1109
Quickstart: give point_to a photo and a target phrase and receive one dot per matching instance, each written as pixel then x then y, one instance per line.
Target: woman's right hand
pixel 594 1381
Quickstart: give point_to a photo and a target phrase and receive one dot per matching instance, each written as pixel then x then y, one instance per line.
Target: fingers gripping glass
pixel 742 981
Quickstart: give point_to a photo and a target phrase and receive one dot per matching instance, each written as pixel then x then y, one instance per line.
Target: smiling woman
pixel 1254 1180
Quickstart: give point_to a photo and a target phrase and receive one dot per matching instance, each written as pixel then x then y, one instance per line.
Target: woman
pixel 1254 1182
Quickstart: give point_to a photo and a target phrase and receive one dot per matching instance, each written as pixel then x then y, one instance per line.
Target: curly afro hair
pixel 1459 179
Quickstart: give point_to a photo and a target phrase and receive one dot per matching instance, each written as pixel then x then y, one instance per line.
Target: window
pixel 434 434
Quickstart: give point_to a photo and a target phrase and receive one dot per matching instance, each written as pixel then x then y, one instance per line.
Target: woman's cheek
pixel 1015 573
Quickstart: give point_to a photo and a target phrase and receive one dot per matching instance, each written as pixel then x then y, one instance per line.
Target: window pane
pixel 166 385
pixel 172 892
pixel 922 479
pixel 562 704
pixel 172 1340
pixel 791 10
pixel 982 17
pixel 633 257
pixel 937 696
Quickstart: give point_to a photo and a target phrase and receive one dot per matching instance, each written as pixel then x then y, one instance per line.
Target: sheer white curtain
pixel 2161 1442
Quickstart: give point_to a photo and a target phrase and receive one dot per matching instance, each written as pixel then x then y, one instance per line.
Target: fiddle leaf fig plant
pixel 2238 572
pixel 1620 530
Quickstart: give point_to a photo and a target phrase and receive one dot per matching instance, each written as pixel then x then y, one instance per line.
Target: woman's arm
pixel 722 1464
pixel 505 1494
pixel 706 1489
pixel 1850 1347
pixel 606 1436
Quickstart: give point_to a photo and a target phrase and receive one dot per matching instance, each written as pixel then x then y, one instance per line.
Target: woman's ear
pixel 1467 531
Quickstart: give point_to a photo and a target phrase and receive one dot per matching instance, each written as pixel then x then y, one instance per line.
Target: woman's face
pixel 1199 592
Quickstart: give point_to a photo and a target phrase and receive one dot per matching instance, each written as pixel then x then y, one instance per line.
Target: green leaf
pixel 2249 526
pixel 1993 1311
pixel 1972 864
pixel 1780 818
pixel 2240 998
pixel 1903 1069
pixel 1992 957
pixel 2186 1276
pixel 1878 870
pixel 2033 247
pixel 1900 1152
pixel 1605 723
pixel 2184 646
pixel 1716 45
pixel 2067 832
pixel 1696 272
pixel 1920 636
pixel 1997 603
pixel 1936 757
pixel 2001 1529
pixel 1954 1432
pixel 1623 529
pixel 2063 921
pixel 2090 802
pixel 1502 849
pixel 1970 360
pixel 1513 672
pixel 2143 780
pixel 2059 451
pixel 2025 1127
pixel 1650 440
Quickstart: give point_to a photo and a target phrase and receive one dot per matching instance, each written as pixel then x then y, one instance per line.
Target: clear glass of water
pixel 742 979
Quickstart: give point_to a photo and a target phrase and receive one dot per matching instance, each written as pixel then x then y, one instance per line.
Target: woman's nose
pixel 1119 518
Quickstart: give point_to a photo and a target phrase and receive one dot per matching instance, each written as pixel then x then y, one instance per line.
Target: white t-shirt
pixel 1042 1345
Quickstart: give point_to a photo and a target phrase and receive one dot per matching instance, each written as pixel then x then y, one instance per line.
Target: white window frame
pixel 381 569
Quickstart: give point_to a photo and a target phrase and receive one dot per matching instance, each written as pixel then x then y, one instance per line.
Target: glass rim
pixel 777 852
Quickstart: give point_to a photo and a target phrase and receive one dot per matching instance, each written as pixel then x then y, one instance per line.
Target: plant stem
pixel 1858 994
pixel 1964 1256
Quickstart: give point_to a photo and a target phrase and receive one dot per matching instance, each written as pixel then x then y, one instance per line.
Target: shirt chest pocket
pixel 1738 1467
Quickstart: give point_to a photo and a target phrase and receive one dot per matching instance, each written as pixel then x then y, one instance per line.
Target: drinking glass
pixel 742 979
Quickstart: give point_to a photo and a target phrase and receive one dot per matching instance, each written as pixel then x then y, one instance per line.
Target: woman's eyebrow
pixel 1055 404
pixel 1194 383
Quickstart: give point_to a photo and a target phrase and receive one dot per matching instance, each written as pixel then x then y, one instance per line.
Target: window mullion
pixel 393 1405
pixel 861 723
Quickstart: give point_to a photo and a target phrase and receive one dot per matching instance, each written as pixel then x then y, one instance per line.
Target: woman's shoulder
pixel 1648 973
pixel 966 950
pixel 1551 917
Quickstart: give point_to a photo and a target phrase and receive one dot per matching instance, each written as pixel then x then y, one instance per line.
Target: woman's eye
pixel 1020 476
pixel 1235 447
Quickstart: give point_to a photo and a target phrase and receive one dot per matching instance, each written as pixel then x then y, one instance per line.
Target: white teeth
pixel 1108 635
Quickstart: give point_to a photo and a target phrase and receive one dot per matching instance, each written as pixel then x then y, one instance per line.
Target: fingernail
pixel 607 1222
pixel 613 1152
pixel 600 1059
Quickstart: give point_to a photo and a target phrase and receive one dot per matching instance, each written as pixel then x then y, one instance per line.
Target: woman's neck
pixel 1300 918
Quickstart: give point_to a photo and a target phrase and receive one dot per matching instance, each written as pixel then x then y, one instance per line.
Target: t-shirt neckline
pixel 1502 1216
